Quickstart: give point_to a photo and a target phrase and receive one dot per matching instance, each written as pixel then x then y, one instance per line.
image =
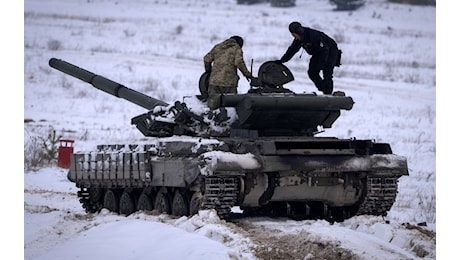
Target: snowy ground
pixel 156 47
pixel 57 227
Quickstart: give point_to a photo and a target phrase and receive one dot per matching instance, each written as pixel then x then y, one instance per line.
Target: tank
pixel 257 151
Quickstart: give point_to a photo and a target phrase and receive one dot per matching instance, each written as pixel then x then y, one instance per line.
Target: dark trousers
pixel 319 62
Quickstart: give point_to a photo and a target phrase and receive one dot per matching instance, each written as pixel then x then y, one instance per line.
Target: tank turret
pixel 267 109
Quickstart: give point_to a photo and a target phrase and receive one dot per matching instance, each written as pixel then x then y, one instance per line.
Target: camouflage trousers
pixel 214 95
pixel 221 90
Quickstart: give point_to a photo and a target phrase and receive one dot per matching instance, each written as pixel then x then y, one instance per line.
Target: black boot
pixel 326 87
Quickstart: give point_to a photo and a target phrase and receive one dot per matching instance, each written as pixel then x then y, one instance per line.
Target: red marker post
pixel 64 151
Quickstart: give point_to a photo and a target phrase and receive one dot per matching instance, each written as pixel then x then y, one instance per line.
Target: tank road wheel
pixel 179 205
pixel 144 202
pixel 196 202
pixel 96 195
pixel 91 199
pixel 162 202
pixel 111 201
pixel 127 203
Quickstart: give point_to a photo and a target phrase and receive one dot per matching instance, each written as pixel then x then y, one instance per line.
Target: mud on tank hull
pixel 306 177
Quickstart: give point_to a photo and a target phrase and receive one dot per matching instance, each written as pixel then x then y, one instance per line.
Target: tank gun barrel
pixel 111 87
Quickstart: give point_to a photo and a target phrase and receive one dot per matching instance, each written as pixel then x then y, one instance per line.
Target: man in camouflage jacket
pixel 324 52
pixel 222 62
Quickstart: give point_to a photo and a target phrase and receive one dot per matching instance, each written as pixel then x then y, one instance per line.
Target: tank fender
pixel 191 173
pixel 389 163
pixel 179 172
pixel 377 163
pixel 211 162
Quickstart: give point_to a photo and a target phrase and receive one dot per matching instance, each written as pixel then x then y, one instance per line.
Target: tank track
pixel 380 195
pixel 221 194
pixel 86 202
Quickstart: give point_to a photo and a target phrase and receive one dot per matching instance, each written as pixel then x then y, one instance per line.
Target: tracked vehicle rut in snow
pixel 257 151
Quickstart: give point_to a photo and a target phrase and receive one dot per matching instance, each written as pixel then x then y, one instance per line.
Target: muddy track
pixel 273 244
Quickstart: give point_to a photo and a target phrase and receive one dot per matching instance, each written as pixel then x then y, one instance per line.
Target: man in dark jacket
pixel 323 50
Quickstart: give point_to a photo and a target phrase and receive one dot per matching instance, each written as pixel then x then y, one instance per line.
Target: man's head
pixel 296 29
pixel 238 40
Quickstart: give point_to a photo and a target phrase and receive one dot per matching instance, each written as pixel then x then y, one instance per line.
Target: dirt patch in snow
pixel 273 245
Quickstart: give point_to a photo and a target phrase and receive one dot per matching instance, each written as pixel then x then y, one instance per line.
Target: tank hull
pixel 323 175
